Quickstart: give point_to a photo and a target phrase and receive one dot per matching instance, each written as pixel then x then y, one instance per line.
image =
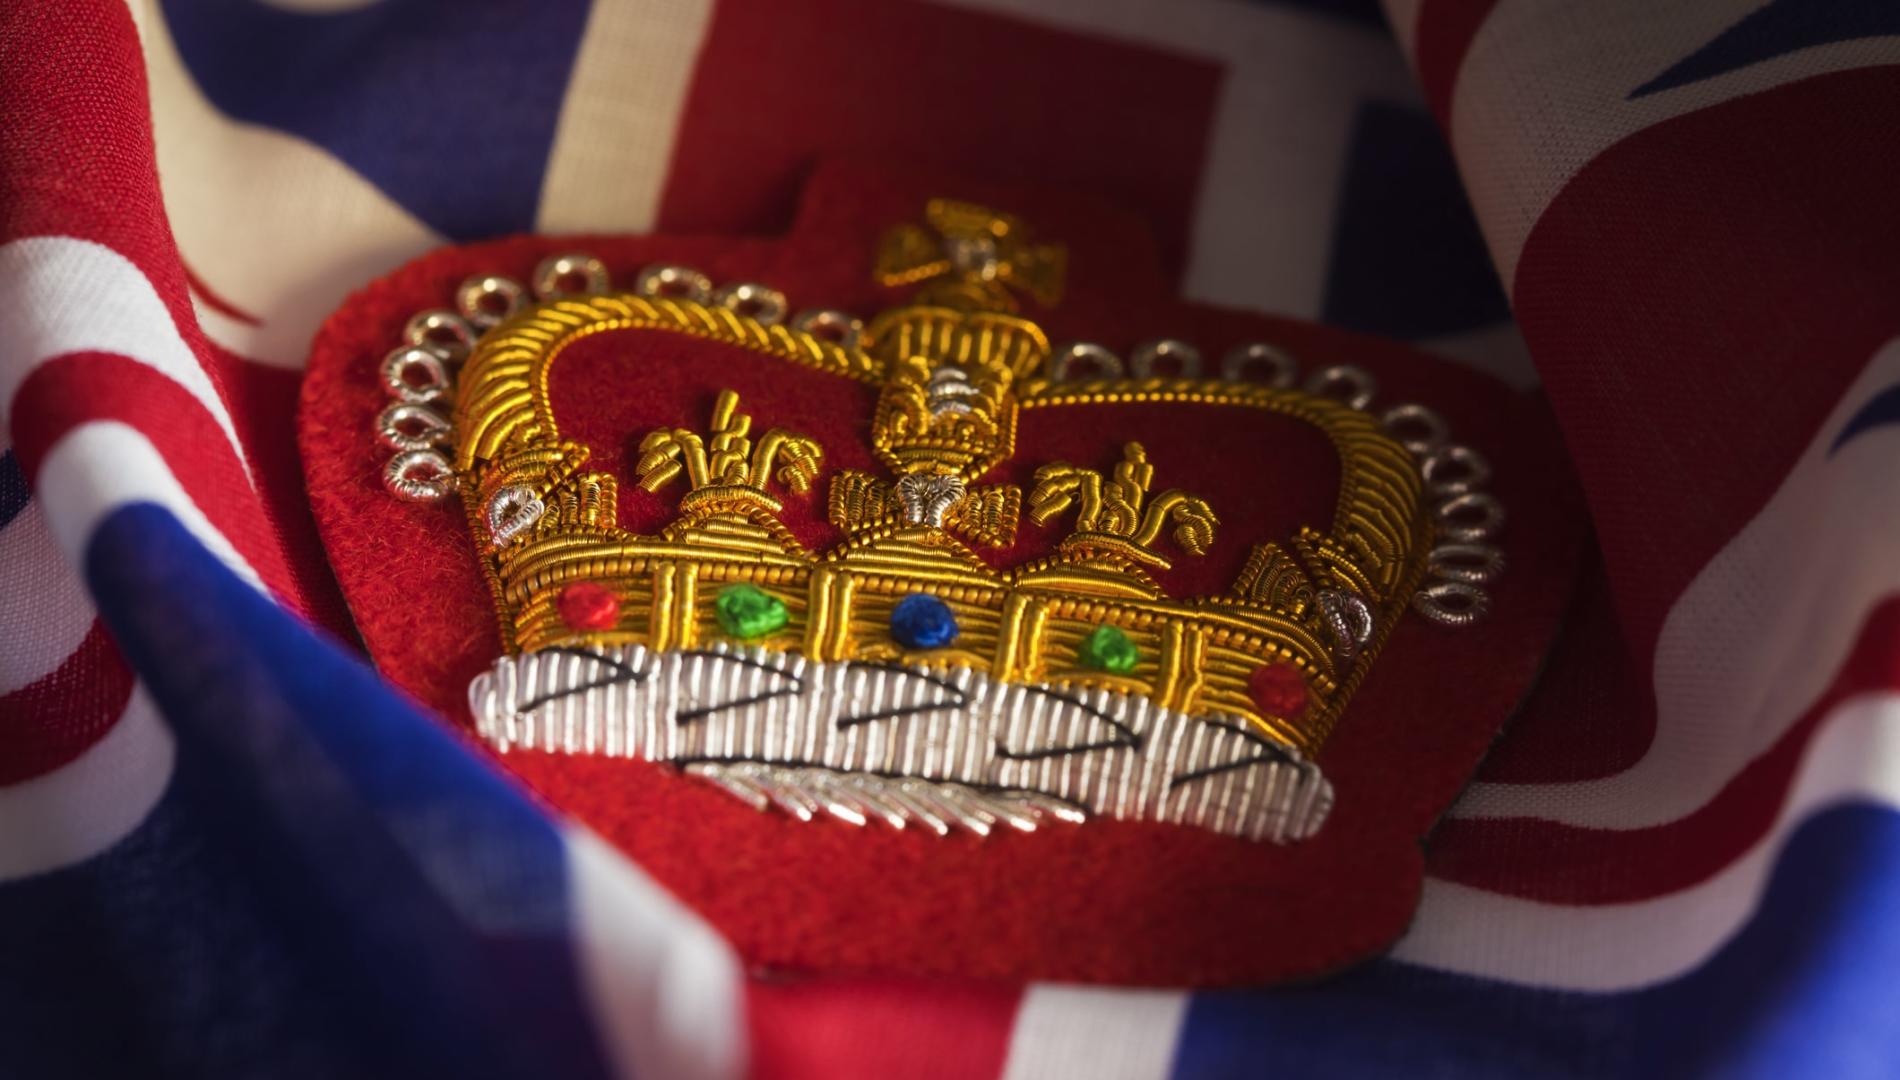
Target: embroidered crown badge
pixel 901 674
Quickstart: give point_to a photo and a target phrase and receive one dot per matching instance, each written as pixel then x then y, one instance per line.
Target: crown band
pixel 1036 748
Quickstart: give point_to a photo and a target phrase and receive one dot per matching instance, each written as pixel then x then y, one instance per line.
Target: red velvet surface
pixel 1107 901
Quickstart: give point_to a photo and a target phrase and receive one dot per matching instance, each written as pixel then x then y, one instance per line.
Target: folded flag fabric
pixel 226 848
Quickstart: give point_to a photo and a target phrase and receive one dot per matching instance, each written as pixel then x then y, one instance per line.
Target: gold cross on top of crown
pixel 970 258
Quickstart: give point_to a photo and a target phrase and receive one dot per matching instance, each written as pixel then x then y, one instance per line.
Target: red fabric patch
pixel 1106 901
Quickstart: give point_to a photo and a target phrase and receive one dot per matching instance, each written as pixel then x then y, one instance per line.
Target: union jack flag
pixel 226 848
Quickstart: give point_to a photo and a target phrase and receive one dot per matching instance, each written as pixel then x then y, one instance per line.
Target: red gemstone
pixel 588 605
pixel 1278 689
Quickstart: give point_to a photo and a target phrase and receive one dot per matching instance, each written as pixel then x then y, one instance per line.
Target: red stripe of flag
pixel 52 720
pixel 878 1029
pixel 76 155
pixel 80 388
pixel 1446 29
pixel 1562 864
pixel 212 299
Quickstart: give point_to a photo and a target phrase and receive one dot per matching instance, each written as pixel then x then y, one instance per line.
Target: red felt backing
pixel 1107 901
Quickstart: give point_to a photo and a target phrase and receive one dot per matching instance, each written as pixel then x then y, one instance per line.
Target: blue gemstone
pixel 921 621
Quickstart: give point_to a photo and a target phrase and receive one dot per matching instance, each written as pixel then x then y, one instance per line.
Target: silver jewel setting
pixel 573 273
pixel 487 300
pixel 404 425
pixel 1148 358
pixel 416 374
pixel 419 476
pixel 1097 360
pixel 669 282
pixel 513 510
pixel 760 303
pixel 842 328
pixel 443 331
pixel 1350 620
pixel 948 389
pixel 928 498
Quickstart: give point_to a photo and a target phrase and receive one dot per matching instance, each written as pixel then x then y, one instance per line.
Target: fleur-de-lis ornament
pixel 1114 516
pixel 731 467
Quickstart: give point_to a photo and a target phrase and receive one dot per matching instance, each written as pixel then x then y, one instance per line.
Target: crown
pixel 902 673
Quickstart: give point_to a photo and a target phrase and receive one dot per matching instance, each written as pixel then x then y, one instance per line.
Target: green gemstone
pixel 747 611
pixel 1108 649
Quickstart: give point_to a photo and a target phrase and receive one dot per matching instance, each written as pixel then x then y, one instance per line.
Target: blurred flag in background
pixel 227 849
